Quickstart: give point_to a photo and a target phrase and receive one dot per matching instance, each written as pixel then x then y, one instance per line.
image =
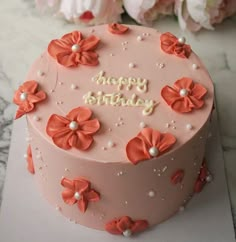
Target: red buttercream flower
pixel 75 130
pixel 203 178
pixel 117 28
pixel 29 159
pixel 177 177
pixel 126 226
pixel 184 96
pixel 72 50
pixel 26 97
pixel 171 45
pixel 148 144
pixel 79 191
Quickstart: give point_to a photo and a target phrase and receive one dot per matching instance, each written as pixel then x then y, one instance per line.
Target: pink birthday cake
pixel 118 118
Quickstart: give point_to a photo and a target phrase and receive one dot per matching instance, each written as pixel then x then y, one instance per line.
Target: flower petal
pixel 167 140
pixel 168 42
pixel 38 97
pixel 68 197
pixel 30 165
pixel 111 227
pixel 29 86
pixel 198 91
pixel 170 95
pixel 89 43
pixel 67 58
pixel 82 204
pixel 89 126
pixel 65 182
pixel 181 105
pixel 184 83
pixel 199 185
pixel 125 223
pixel 177 177
pixel 135 151
pixel 16 98
pixel 92 196
pixel 150 137
pixel 195 103
pixel 116 28
pixel 81 185
pixel 88 58
pixel 72 38
pixel 139 226
pixel 55 124
pixel 84 141
pixel 79 114
pixel 61 138
pixel 57 46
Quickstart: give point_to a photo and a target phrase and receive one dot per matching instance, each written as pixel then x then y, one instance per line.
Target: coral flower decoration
pixel 117 28
pixel 202 178
pixel 75 130
pixel 26 97
pixel 171 45
pixel 79 191
pixel 126 226
pixel 184 96
pixel 148 144
pixel 29 159
pixel 73 50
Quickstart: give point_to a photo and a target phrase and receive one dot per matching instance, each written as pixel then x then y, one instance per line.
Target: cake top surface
pixel 119 80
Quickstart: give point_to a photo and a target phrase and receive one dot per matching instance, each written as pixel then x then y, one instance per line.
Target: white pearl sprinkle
pixel 73 125
pixel 131 65
pixel 25 156
pixel 153 151
pixel 161 66
pixel 58 208
pixel 164 169
pixel 75 47
pixel 154 170
pixel 181 208
pixel 111 54
pixel 23 96
pixel 167 125
pixel 181 40
pixel 77 195
pixel 73 86
pixel 189 126
pixel 151 193
pixel 66 169
pixel 28 139
pixel 142 125
pixel 194 66
pixel 209 178
pixel 183 92
pixel 110 144
pixel 36 118
pixel 127 233
pixel 40 73
pixel 139 38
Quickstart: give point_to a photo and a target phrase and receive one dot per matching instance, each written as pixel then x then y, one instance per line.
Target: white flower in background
pixel 194 15
pixel 146 11
pixel 91 12
pixel 43 4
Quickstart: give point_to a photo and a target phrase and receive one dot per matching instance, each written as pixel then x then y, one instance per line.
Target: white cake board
pixel 27 217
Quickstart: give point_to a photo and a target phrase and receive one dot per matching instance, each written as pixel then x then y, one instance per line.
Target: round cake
pixel 118 119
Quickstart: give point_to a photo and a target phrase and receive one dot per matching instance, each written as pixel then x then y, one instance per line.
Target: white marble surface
pixel 25 34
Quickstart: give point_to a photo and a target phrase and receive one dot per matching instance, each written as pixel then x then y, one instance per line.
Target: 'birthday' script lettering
pixel 117 99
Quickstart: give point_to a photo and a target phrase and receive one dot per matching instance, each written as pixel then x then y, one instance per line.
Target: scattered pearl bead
pixel 75 47
pixel 124 48
pixel 77 195
pixel 40 73
pixel 139 38
pixel 51 91
pixel 23 96
pixel 172 158
pixel 120 118
pixel 181 208
pixel 104 148
pixel 126 202
pixel 173 127
pixel 131 65
pixel 36 118
pixel 189 126
pixel 167 125
pixel 172 121
pixel 25 156
pixel 73 86
pixel 58 208
pixel 151 194
pixel 28 139
pixel 154 170
pixel 110 129
pixel 111 54
pixel 183 92
pixel 66 169
pixel 73 125
pixel 61 102
pixel 201 137
pixel 142 125
pixel 60 83
pixel 164 169
pixel 153 151
pixel 127 233
pixel 38 156
pixel 181 40
pixel 110 144
pixel 194 66
pixel 117 124
pixel 161 65
pixel 209 178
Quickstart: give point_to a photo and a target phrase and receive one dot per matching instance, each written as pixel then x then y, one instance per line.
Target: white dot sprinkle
pixel 161 65
pixel 142 125
pixel 60 83
pixel 124 48
pixel 164 169
pixel 109 129
pixel 181 208
pixel 111 54
pixel 139 38
pixel 40 73
pixel 25 156
pixel 58 208
pixel 36 118
pixel 151 193
pixel 172 158
pixel 167 125
pixel 126 202
pixel 172 121
pixel 209 178
pixel 131 65
pixel 194 66
pixel 189 126
pixel 73 86
pixel 66 169
pixel 154 170
pixel 110 144
pixel 104 148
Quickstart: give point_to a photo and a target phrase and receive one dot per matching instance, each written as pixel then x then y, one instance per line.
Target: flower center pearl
pixel 183 92
pixel 73 125
pixel 182 40
pixel 127 233
pixel 23 96
pixel 77 196
pixel 153 151
pixel 75 47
